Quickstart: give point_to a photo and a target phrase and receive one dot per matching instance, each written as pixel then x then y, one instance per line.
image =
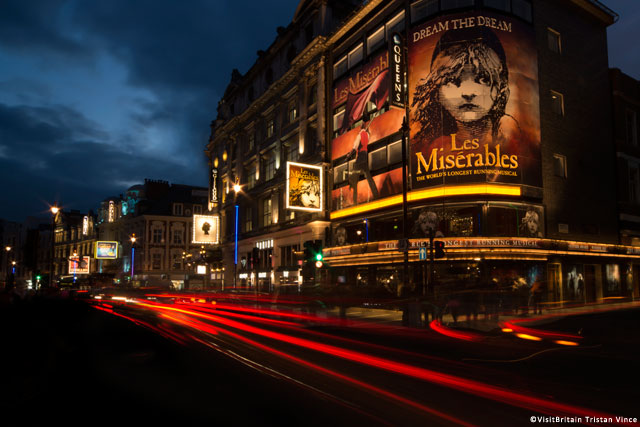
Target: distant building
pixel 159 215
pixel 74 241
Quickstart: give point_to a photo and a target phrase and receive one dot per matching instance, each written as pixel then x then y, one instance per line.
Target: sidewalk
pixel 391 317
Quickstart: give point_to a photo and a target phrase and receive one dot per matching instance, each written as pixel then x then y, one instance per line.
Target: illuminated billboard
pixel 79 265
pixel 366 164
pixel 304 187
pixel 206 229
pixel 473 95
pixel 106 250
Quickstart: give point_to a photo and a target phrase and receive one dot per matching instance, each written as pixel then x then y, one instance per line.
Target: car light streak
pixel 438 327
pixel 458 383
pixel 332 373
pixel 539 332
pixel 529 337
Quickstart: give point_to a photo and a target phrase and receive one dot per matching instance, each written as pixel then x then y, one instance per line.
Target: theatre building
pixel 509 147
pixel 267 155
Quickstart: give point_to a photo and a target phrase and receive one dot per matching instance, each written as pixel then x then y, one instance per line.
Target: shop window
pixel 554 41
pixel 355 56
pixel 557 103
pixel 422 9
pixel 375 40
pixel 340 67
pixel 560 165
pixel 632 127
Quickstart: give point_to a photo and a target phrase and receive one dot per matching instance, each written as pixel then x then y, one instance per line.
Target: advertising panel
pixel 304 187
pixel 206 229
pixel 474 103
pixel 106 250
pixel 362 117
pixel 79 265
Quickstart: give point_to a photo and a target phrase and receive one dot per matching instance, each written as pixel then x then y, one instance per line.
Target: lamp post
pixel 54 211
pixel 236 190
pixel 75 265
pixel 133 252
pixel 6 265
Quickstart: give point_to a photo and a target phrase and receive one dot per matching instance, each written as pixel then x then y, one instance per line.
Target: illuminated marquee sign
pixel 206 229
pixel 213 188
pixel 397 71
pixel 85 225
pixel 79 266
pixel 112 211
pixel 304 187
pixel 106 250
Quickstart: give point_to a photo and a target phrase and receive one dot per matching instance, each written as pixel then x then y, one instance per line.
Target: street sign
pixel 422 254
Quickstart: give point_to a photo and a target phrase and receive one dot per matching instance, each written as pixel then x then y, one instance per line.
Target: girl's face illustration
pixel 467 97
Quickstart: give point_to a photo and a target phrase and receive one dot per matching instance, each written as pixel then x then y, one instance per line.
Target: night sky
pixel 96 96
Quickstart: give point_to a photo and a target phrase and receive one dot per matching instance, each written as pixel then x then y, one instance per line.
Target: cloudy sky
pixel 96 95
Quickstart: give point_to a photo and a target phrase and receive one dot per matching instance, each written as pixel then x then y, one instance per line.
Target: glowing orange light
pixel 528 337
pixel 563 342
pixel 507 330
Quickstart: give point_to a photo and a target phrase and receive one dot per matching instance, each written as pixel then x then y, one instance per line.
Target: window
pixel 156 236
pixel 340 173
pixel 176 262
pixel 499 4
pixel 454 4
pixel 634 183
pixel 197 209
pixel 313 94
pixel 270 128
pixel 252 140
pixel 251 176
pixel 177 237
pixel 293 112
pixel 266 212
pixel 378 159
pixel 248 219
pixel 632 127
pixel 522 8
pixel 395 25
pixel 356 55
pixel 560 165
pixel 395 152
pixel 338 117
pixel 422 9
pixel 553 40
pixel 177 209
pixel 270 166
pixel 557 103
pixel 375 40
pixel 340 67
pixel 292 153
pixel 156 261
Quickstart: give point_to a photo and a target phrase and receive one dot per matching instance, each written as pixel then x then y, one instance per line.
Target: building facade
pixel 149 230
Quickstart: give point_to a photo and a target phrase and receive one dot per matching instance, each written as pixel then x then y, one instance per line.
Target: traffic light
pixel 313 253
pixel 439 249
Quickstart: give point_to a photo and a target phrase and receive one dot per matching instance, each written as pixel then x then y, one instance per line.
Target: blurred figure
pixel 536 296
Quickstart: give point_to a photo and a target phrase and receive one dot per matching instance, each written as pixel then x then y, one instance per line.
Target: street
pixel 142 360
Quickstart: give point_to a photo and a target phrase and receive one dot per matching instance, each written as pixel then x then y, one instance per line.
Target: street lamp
pixel 75 265
pixel 133 251
pixel 6 265
pixel 236 190
pixel 54 211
